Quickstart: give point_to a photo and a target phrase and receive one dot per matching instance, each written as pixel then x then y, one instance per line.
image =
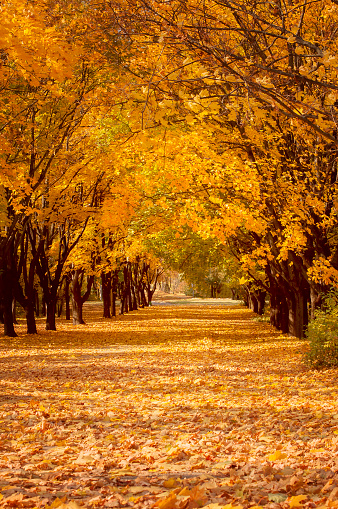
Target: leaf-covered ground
pixel 168 407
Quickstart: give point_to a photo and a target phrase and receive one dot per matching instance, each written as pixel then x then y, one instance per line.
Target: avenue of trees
pixel 136 135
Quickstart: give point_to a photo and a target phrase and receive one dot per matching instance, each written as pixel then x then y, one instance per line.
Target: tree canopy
pixel 124 125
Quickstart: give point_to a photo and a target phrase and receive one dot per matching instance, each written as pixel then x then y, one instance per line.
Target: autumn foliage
pixel 141 137
pixel 120 121
pixel 176 406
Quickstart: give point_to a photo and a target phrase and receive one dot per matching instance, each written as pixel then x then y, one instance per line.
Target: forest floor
pixel 172 407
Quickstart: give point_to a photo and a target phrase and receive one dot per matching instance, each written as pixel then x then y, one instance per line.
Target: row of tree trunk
pixel 134 285
pixel 292 296
pixel 26 272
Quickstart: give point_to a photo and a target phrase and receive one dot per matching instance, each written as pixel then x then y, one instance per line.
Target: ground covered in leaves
pixel 175 406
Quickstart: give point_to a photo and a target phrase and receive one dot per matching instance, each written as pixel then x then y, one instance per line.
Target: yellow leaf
pixel 278 455
pixel 232 79
pixel 170 483
pixel 292 38
pixel 296 500
pixel 198 465
pixel 168 503
pixel 158 115
pixel 57 502
pixel 190 119
pixel 243 280
pixel 163 122
pixel 72 505
pixel 184 492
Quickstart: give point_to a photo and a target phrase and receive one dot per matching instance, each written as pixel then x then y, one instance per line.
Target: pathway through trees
pixel 172 407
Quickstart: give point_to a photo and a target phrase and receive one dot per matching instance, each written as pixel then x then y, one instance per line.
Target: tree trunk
pixel 6 287
pixel 15 321
pixel 150 293
pixel 50 314
pixel 8 321
pixel 30 317
pixel 134 298
pixel 298 315
pixel 77 309
pixel 36 302
pixel 126 297
pixel 143 296
pixel 8 318
pixel 77 303
pixel 151 281
pixel 115 280
pixel 246 295
pixel 77 298
pixel 124 302
pixel 43 306
pixel 125 292
pixel 113 303
pixel 261 294
pixel 253 302
pixel 67 298
pixel 130 299
pixel 106 294
pixel 60 307
pixel 279 311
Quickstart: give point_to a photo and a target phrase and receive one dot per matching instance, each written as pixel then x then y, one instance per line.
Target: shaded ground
pixel 171 407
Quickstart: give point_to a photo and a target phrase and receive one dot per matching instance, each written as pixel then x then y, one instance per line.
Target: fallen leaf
pixel 296 500
pixel 278 455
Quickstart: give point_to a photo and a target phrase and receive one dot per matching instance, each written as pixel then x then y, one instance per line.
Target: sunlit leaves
pixel 168 407
pixel 278 455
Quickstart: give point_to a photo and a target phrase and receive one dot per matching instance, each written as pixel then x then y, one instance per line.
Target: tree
pixel 241 72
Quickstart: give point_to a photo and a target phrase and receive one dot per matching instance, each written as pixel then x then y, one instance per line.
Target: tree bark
pixel 77 298
pixel 106 293
pixel 114 283
pixel 36 302
pixel 253 302
pixel 59 306
pixel 246 295
pixel 15 321
pixel 6 292
pixel 77 310
pixel 279 311
pixel 67 298
pixel 298 315
pixel 8 318
pixel 43 306
pixel 50 314
pixel 30 317
pixel 261 295
pixel 134 298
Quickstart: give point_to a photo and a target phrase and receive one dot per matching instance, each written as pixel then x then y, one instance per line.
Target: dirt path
pixel 171 407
